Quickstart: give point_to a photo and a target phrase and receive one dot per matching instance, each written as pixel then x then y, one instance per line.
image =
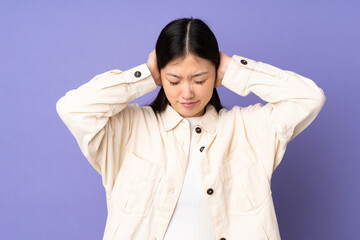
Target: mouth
pixel 188 104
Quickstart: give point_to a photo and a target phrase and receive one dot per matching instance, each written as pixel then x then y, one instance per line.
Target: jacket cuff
pixel 139 75
pixel 238 73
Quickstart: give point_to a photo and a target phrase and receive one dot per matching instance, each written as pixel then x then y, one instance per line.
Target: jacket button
pixel 210 191
pixel 243 61
pixel 202 148
pixel 198 130
pixel 137 74
pixel 222 238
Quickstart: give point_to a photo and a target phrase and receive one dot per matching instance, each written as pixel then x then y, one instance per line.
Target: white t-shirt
pixel 191 219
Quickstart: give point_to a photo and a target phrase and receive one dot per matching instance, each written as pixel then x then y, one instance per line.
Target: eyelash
pixel 176 83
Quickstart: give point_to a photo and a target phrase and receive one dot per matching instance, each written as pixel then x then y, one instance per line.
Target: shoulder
pixel 139 114
pixel 252 120
pixel 133 112
pixel 240 111
pixel 136 108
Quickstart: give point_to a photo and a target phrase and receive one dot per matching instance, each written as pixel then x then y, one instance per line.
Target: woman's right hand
pixel 152 65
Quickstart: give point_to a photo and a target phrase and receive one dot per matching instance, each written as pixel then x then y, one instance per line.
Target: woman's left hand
pixel 224 62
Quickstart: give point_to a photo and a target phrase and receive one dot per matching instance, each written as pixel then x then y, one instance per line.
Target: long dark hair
pixel 176 40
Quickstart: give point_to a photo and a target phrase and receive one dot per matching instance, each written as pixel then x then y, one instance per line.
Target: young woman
pixel 184 167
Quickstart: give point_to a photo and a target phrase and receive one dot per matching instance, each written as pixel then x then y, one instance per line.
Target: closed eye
pixel 197 82
pixel 174 83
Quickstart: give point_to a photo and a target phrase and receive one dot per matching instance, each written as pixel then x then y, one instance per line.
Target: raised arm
pixel 293 102
pixel 87 111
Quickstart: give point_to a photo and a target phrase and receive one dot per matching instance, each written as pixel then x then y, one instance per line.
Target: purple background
pixel 48 189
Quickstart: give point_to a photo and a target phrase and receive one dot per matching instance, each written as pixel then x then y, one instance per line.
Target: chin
pixel 191 113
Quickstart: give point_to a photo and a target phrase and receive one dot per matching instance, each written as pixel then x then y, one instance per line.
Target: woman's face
pixel 189 84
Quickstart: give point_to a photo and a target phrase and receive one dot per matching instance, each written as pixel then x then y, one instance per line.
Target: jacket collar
pixel 208 121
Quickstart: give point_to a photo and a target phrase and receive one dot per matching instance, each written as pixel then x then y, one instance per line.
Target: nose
pixel 187 92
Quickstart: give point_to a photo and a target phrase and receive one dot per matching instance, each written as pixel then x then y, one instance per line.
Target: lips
pixel 188 104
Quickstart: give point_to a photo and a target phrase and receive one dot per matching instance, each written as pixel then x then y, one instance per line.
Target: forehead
pixel 190 62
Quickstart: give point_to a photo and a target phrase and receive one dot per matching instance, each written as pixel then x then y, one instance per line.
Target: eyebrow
pixel 198 74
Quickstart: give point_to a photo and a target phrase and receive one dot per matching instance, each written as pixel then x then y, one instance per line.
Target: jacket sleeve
pixel 293 103
pixel 88 113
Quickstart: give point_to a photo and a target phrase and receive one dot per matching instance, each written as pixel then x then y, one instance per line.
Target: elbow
pixel 321 99
pixel 315 102
pixel 59 106
pixel 61 109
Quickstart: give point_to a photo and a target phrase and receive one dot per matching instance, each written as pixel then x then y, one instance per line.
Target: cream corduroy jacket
pixel 142 156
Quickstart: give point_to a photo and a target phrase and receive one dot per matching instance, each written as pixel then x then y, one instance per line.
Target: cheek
pixel 206 91
pixel 170 92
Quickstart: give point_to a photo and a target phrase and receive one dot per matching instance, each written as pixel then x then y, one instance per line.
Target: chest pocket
pixel 136 185
pixel 246 187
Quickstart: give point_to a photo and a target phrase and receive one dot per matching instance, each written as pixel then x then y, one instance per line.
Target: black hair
pixel 179 38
